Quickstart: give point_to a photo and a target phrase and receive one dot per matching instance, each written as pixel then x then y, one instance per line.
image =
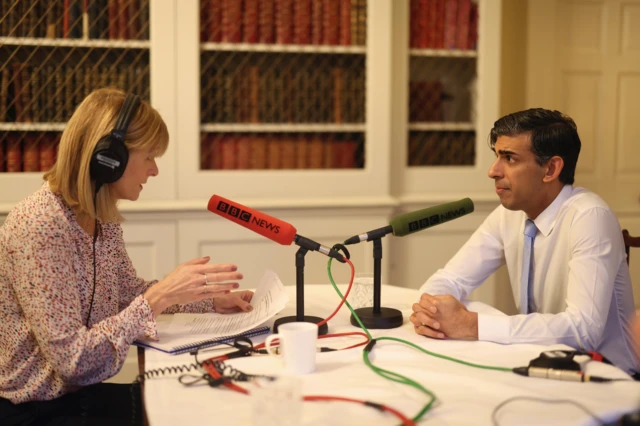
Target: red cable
pixel 209 367
pixel 353 272
pixel 405 420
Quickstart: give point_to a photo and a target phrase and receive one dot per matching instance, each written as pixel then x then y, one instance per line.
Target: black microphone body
pixel 312 245
pixel 371 235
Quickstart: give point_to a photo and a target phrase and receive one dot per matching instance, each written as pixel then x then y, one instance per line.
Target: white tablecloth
pixel 465 395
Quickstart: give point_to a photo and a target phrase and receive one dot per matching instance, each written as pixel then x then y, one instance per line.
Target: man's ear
pixel 553 168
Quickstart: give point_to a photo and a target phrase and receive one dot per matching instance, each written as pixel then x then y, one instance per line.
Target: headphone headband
pixel 129 107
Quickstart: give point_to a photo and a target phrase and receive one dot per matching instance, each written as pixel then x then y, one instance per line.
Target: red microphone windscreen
pixel 268 226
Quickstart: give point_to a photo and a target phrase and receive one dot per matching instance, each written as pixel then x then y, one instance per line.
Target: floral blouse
pixel 46 282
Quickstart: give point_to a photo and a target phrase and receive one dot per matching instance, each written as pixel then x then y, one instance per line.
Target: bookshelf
pixel 448 98
pixel 284 86
pixel 53 54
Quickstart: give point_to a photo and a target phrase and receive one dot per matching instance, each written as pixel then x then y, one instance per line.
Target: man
pixel 569 274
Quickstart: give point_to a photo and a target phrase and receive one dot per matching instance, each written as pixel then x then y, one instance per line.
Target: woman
pixel 70 299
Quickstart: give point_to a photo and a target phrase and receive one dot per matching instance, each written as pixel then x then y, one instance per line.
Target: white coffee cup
pixel 297 346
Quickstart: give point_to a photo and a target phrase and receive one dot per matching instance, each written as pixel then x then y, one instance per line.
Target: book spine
pixel 331 22
pixel 338 88
pixel 473 27
pixel 345 22
pixel 30 159
pixel 266 22
pixel 250 21
pixel 302 153
pixel 14 153
pixel 288 153
pixel 316 151
pixel 316 22
pixel 422 24
pixel 257 153
pixel 5 76
pixel 440 24
pixel 231 21
pixel 254 94
pixel 451 13
pixel 462 31
pixel 302 22
pixel 112 17
pixel 17 91
pixel 144 20
pixel 284 24
pixel 243 154
pixel 123 19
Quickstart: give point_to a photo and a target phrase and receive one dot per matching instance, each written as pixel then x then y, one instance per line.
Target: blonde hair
pixel 94 118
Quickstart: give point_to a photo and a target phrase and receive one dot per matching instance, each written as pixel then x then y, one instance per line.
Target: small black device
pixel 110 156
pixel 558 360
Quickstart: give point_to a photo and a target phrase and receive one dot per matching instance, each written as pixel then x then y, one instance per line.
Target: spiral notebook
pixel 179 347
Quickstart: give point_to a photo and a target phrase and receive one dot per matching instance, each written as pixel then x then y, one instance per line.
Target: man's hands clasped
pixel 443 316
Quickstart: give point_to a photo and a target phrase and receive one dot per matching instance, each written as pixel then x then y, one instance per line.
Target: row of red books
pixel 255 152
pixel 49 93
pixel 443 24
pixel 31 152
pixel 86 19
pixel 315 22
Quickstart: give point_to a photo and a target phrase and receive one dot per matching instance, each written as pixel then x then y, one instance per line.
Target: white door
pixel 584 60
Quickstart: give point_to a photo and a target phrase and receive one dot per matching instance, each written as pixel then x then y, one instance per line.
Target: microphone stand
pixel 300 316
pixel 377 317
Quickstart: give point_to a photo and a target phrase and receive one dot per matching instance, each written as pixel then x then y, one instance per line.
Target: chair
pixel 629 242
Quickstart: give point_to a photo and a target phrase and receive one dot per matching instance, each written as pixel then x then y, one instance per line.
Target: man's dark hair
pixel 552 133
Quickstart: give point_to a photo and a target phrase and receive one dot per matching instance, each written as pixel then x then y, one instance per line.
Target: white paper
pixel 268 299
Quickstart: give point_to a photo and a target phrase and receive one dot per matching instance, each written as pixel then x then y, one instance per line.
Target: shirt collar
pixel 547 219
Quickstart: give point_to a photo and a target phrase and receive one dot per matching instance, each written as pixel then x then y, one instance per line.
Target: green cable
pixel 390 375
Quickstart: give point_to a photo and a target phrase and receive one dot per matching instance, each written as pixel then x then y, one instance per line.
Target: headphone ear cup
pixel 109 160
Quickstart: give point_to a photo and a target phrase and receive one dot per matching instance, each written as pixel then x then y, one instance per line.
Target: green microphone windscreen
pixel 409 223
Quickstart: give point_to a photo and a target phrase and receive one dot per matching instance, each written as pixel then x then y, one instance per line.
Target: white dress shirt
pixel 581 283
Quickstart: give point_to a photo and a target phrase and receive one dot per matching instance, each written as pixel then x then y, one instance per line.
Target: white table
pixel 465 395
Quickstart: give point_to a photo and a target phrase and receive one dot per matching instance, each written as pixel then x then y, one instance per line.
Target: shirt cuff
pixel 493 328
pixel 147 320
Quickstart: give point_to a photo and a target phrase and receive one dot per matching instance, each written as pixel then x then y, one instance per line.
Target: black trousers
pixel 103 404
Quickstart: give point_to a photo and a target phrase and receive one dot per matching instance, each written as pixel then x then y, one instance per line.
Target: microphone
pixel 268 226
pixel 409 223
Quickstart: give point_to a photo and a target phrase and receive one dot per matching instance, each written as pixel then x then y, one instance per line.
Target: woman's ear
pixel 553 169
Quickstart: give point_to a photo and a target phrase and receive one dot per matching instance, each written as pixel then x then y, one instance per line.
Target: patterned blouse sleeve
pixel 44 275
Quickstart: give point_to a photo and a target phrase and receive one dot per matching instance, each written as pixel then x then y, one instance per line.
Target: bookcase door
pixel 448 98
pixel 317 115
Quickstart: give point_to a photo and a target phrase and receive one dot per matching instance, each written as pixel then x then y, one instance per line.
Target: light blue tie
pixel 527 304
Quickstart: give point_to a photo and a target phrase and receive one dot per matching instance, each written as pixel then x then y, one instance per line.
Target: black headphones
pixel 110 156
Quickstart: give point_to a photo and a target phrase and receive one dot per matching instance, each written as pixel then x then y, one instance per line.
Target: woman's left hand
pixel 236 301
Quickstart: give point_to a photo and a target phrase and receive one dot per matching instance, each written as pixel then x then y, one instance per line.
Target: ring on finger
pixel 206 280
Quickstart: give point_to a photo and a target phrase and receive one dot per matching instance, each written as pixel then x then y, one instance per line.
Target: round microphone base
pixel 386 318
pixel 323 329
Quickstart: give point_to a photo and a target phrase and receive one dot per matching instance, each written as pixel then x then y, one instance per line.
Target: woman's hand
pixel 237 301
pixel 192 281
